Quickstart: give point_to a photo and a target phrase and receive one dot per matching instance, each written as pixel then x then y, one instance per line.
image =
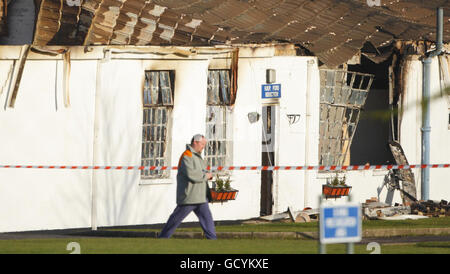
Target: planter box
pixel 223 195
pixel 330 191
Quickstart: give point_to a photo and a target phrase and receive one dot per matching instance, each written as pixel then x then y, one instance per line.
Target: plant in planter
pixel 335 181
pixel 222 191
pixel 227 184
pixel 336 188
pixel 219 184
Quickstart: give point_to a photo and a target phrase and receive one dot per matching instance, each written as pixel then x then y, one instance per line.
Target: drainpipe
pixel 426 90
pixel 95 142
pixel 310 65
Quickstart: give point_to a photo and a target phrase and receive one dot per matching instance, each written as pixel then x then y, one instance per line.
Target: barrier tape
pixel 220 168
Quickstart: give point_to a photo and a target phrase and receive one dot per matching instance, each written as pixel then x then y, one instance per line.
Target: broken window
pixel 219 88
pixel 158 105
pixel 342 95
pixel 218 119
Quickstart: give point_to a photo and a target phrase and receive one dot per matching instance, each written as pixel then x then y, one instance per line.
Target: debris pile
pixel 290 216
pixel 431 208
pixel 372 209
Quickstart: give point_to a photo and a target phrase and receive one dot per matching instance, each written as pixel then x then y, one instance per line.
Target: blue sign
pixel 271 91
pixel 340 223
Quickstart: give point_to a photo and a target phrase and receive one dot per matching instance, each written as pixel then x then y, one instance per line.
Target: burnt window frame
pixel 218 149
pixel 157 119
pixel 342 97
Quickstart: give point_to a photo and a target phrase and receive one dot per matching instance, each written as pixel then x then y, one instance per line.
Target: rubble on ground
pixel 431 208
pixel 300 216
pixel 402 217
pixel 373 209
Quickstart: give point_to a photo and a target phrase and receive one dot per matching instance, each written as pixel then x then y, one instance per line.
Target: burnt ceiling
pixel 332 30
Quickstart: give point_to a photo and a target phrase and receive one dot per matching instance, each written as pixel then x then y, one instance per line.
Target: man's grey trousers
pixel 181 211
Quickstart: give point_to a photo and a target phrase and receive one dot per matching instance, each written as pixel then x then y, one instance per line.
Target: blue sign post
pixel 271 91
pixel 340 223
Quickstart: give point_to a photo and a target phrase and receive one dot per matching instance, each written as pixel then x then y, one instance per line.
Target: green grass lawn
pixel 202 246
pixel 117 245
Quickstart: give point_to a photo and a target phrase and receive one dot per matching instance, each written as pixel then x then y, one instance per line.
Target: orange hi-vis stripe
pixel 187 152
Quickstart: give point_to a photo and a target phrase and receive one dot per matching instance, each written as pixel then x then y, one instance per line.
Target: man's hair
pixel 196 138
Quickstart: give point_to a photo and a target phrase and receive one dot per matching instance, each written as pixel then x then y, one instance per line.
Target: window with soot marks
pixel 157 109
pixel 218 119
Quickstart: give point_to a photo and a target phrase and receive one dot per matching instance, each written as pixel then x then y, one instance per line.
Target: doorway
pixel 267 158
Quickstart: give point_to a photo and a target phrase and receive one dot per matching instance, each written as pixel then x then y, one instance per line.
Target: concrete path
pixel 379 235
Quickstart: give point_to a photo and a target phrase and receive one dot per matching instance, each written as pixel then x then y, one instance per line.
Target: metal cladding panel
pixel 332 30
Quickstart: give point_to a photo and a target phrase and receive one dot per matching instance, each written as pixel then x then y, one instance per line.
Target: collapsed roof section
pixel 332 30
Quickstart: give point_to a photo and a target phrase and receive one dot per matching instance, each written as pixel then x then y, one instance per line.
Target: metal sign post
pixel 350 245
pixel 339 224
pixel 322 246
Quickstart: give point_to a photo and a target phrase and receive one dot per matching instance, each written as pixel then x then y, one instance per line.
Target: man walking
pixel 192 190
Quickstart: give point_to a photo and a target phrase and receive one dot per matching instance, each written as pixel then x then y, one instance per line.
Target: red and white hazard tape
pixel 220 168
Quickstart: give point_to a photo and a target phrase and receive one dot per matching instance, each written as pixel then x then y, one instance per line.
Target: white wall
pixel 103 126
pixel 289 187
pixel 131 202
pixel 35 133
pixel 411 135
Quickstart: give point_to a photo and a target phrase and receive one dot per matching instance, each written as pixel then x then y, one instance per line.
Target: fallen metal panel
pixel 408 188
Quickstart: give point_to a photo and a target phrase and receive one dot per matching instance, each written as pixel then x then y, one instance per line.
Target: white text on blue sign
pixel 271 91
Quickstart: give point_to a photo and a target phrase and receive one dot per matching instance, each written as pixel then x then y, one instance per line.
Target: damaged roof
pixel 333 30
